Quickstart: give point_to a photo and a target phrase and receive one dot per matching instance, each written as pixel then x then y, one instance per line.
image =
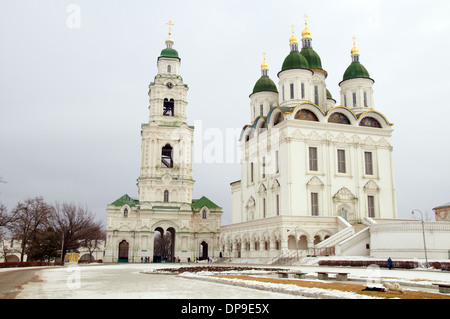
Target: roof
pixel 295 61
pixel 199 203
pixel 356 70
pixel 312 57
pixel 125 200
pixel 169 53
pixel 265 84
pixel 443 206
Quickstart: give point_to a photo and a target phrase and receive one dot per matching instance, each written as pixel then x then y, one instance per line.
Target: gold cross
pixel 306 19
pixel 354 40
pixel 292 26
pixel 170 29
pixel 264 55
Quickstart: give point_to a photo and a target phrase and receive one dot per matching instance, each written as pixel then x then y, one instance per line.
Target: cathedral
pixel 164 223
pixel 313 173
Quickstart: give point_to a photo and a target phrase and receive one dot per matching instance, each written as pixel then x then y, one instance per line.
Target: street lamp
pixel 423 234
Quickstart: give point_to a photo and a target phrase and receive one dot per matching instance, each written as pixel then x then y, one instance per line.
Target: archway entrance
pixel 123 252
pixel 203 254
pixel 164 245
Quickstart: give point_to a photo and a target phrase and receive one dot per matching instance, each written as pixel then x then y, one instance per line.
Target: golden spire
pixel 293 39
pixel 264 65
pixel 306 34
pixel 355 50
pixel 170 29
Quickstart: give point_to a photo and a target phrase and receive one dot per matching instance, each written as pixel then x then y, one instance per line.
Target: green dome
pixel 329 96
pixel 169 53
pixel 295 61
pixel 312 57
pixel 356 70
pixel 265 84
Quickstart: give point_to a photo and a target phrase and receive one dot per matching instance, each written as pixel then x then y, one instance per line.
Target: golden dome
pixel 355 50
pixel 293 38
pixel 306 34
pixel 264 65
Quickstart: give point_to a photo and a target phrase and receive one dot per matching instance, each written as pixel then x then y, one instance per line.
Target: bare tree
pixel 29 218
pixel 162 245
pixel 75 225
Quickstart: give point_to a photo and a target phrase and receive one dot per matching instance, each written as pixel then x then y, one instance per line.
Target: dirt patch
pixel 195 269
pixel 355 288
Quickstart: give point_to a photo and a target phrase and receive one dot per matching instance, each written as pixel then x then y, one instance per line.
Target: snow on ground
pixel 130 281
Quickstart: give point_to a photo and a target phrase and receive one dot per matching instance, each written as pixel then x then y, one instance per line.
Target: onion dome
pixel 265 84
pixel 356 69
pixel 294 60
pixel 169 51
pixel 307 51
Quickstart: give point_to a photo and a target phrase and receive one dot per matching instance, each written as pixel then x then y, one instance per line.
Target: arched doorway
pixel 203 254
pixel 123 252
pixel 164 245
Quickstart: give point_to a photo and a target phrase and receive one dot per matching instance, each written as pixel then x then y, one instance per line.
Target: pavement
pixel 132 281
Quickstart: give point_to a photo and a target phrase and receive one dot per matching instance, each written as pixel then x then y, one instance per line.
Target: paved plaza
pixel 137 281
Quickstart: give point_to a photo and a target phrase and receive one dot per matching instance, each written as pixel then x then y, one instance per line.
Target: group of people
pixel 175 260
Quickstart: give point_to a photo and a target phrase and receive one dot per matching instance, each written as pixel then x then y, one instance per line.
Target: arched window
pixel 204 214
pixel 166 156
pixel 169 69
pixel 166 196
pixel 125 212
pixel 168 109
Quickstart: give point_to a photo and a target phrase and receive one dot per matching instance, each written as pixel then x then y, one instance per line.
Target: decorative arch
pixel 306 115
pixel 373 118
pixel 341 115
pixel 275 116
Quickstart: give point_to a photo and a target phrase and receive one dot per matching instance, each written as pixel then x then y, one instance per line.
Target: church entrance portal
pixel 164 245
pixel 203 251
pixel 123 252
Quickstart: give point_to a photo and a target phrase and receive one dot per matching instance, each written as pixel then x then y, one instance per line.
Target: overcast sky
pixel 73 88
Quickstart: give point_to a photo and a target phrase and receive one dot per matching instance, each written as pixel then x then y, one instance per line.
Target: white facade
pixel 165 184
pixel 307 159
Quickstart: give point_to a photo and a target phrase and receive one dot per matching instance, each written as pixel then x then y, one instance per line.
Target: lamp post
pixel 423 234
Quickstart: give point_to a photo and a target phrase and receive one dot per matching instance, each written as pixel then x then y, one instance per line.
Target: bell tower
pixel 167 141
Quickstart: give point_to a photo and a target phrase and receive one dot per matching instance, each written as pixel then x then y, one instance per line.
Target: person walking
pixel 389 263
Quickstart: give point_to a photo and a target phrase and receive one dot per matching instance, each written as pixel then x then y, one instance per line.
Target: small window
pixel 314 204
pixel 261 110
pixel 291 87
pixel 303 90
pixel 345 100
pixel 125 212
pixel 354 100
pixel 251 172
pixel 169 69
pixel 365 99
pixel 371 206
pixel 166 157
pixel 166 196
pixel 316 95
pixel 282 91
pixel 204 214
pixel 278 204
pixel 368 163
pixel 264 208
pixel 341 161
pixel 313 159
